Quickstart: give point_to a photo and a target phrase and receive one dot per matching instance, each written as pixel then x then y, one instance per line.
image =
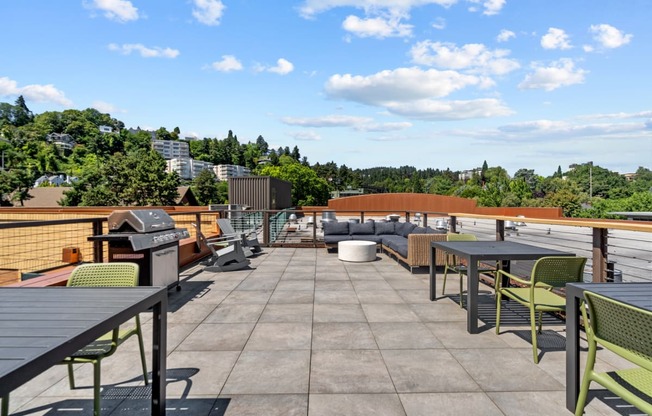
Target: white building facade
pixel 223 172
pixel 171 149
pixel 188 168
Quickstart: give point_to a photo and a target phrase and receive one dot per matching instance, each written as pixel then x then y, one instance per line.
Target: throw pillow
pixel 366 228
pixel 336 228
pixel 383 228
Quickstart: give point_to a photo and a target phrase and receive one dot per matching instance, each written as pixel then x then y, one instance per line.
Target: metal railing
pixel 613 250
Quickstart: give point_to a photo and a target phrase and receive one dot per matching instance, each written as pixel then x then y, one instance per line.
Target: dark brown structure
pixel 260 192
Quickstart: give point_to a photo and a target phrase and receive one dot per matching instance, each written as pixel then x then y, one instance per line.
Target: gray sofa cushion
pixel 419 230
pixel 404 228
pixel 367 237
pixel 384 228
pixel 359 229
pixel 334 239
pixel 397 243
pixel 336 228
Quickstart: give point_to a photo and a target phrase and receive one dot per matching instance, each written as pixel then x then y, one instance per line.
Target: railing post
pixel 600 241
pixel 425 219
pixel 314 227
pixel 266 225
pixel 407 216
pixel 361 217
pixel 98 253
pixel 453 224
pixel 500 230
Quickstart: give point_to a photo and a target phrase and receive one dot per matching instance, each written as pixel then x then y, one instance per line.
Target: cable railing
pixel 28 248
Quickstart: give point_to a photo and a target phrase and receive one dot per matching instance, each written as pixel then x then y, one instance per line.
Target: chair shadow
pixel 122 399
pixel 612 401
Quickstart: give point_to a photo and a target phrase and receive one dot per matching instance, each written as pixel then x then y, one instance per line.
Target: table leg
pixel 433 273
pixel 572 351
pixel 472 295
pixel 159 357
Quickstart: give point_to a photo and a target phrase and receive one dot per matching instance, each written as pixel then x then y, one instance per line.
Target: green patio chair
pixel 626 331
pixel 537 293
pixel 100 275
pixel 456 265
pixel 104 275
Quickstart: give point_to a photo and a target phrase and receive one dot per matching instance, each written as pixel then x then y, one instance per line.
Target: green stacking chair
pixel 104 275
pixel 455 264
pixel 627 332
pixel 100 275
pixel 537 293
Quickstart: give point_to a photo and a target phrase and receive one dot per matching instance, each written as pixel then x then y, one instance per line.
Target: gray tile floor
pixel 301 333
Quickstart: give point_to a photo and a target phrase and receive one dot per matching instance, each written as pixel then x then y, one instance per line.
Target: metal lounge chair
pixel 626 331
pixel 547 274
pixel 226 258
pixel 100 275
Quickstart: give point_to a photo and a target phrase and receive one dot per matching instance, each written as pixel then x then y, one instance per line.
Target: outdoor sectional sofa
pixel 403 240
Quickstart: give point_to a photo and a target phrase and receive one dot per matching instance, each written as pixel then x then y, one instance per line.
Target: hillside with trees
pixel 120 168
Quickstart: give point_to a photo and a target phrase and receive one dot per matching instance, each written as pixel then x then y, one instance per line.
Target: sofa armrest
pixel 419 249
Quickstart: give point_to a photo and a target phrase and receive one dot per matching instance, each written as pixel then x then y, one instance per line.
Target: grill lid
pixel 140 221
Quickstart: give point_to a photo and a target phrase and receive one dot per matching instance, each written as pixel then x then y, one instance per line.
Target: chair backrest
pixel 461 237
pixel 225 226
pixel 624 329
pixel 557 271
pixel 104 275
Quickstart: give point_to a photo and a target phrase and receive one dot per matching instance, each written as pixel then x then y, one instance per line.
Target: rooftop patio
pixel 300 332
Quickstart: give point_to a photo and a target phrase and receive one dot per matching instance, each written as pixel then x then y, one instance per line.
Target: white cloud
pixel 104 107
pixel 334 120
pixel 560 73
pixel 310 8
pixel 439 23
pixel 118 10
pixel 228 63
pixel 382 127
pixel 555 39
pixel 505 35
pixel 377 27
pixel 283 67
pixel 337 120
pixel 35 92
pixel 398 85
pixel 491 7
pixel 609 37
pixel 144 51
pixel 427 109
pixel 473 56
pixel 208 12
pixel 305 136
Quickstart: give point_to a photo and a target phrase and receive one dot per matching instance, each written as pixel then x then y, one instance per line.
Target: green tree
pixel 138 178
pixel 204 186
pixel 262 145
pixel 307 188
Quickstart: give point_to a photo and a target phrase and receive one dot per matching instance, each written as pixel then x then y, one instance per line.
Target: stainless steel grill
pixel 148 238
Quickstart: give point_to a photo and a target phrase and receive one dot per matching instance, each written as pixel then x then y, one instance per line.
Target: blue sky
pixel 427 83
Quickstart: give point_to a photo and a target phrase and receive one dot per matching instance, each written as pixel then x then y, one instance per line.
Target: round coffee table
pixel 356 250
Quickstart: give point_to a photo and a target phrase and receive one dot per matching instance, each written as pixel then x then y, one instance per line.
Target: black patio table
pixel 41 326
pixel 474 251
pixel 634 294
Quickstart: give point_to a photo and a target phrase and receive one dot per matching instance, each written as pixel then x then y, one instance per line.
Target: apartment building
pixel 188 168
pixel 223 172
pixel 171 149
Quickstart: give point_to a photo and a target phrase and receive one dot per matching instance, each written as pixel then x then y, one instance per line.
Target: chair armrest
pixel 520 280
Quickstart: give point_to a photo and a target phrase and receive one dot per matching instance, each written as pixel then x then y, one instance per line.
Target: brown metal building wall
pixel 401 202
pixel 257 192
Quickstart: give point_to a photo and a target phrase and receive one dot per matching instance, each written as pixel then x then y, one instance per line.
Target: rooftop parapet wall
pixel 401 202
